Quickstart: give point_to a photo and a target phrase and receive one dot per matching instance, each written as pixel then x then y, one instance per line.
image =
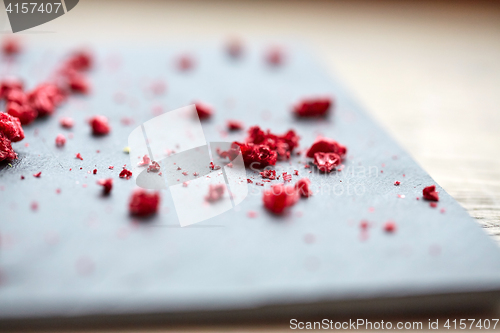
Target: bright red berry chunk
pixel 303 186
pixel 204 110
pixel 107 185
pixel 316 107
pixel 234 125
pixel 430 193
pixel 11 127
pixel 279 197
pixel 390 227
pixel 215 192
pixel 326 162
pixel 325 145
pixel 125 174
pixel 60 140
pixel 144 203
pixel 6 151
pixel 100 125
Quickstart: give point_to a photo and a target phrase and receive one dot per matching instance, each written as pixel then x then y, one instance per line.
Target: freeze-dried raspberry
pixel 249 181
pixel 154 167
pixel 6 151
pixel 66 122
pixel 390 227
pixel 60 140
pixel 234 125
pixel 125 174
pixel 204 110
pixel 326 162
pixel 78 83
pixel 11 127
pixel 185 62
pixel 6 85
pixel 269 174
pixel 11 46
pixel 282 144
pixel 185 173
pixel 212 166
pixel 286 177
pixel 397 183
pixel 144 203
pixel 79 156
pixel 275 56
pixel 38 174
pixel 430 193
pixel 215 192
pixel 24 112
pixel 325 145
pixel 279 197
pixel 107 185
pixel 257 156
pixel 144 161
pixel 94 171
pixel 314 107
pixel 100 125
pixel 296 172
pixel 80 61
pixel 303 187
pixel 433 204
pixel 45 98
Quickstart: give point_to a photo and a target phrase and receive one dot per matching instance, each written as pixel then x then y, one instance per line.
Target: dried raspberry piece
pixel 215 192
pixel 45 98
pixel 279 197
pixel 283 144
pixel 234 125
pixel 11 127
pixel 287 177
pixel 94 171
pixel 185 62
pixel 143 203
pixel 249 181
pixel 397 183
pixel 326 162
pixel 275 56
pixel 144 161
pixel 81 61
pixel 325 145
pixel 303 187
pixel 430 193
pixel 107 185
pixel 79 156
pixel 11 46
pixel 269 174
pixel 60 140
pixel 314 107
pixel 6 151
pixel 78 83
pixel 390 227
pixel 154 167
pixel 6 85
pixel 100 125
pixel 24 112
pixel 204 110
pixel 125 174
pixel 433 204
pixel 257 156
pixel 37 175
pixel 296 172
pixel 66 122
pixel 185 173
pixel 212 166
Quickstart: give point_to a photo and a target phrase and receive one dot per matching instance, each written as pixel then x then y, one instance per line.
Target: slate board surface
pixel 81 253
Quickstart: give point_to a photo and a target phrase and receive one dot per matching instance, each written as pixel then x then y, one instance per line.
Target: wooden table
pixel 428 71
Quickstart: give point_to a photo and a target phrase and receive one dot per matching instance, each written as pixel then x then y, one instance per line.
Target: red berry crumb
pixel 11 46
pixel 249 181
pixel 204 110
pixel 100 125
pixel 325 145
pixel 215 192
pixel 303 187
pixel 185 62
pixel 430 193
pixel 296 172
pixel 279 197
pixel 154 167
pixel 269 174
pixel 144 161
pixel 6 151
pixel 390 227
pixel 107 185
pixel 326 162
pixel 125 174
pixel 234 125
pixel 287 177
pixel 79 156
pixel 275 56
pixel 144 203
pixel 66 122
pixel 60 140
pixel 433 204
pixel 397 182
pixel 37 175
pixel 234 47
pixel 314 107
pixel 94 171
pixel 11 127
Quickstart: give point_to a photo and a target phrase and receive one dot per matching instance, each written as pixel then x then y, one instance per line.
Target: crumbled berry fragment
pixel 144 161
pixel 303 187
pixel 24 112
pixel 185 62
pixel 66 122
pixel 296 172
pixel 215 192
pixel 81 60
pixel 252 214
pixel 34 206
pixel 60 140
pixel 185 173
pixel 100 125
pixel 433 204
pixel 279 197
pixel 275 56
pixel 11 127
pixel 256 156
pixel 125 174
pixel 269 174
pixel 185 184
pixel 154 167
pixel 234 47
pixel 22 177
pixel 326 162
pixel 213 166
pixel 143 203
pixel 79 156
pixel 234 125
pixel 204 110
pixel 325 145
pixel 94 171
pixel 430 193
pixel 11 46
pixel 287 177
pixel 45 98
pixel 111 167
pixel 37 175
pixel 107 185
pixel 196 174
pixel 397 182
pixel 249 181
pixel 314 107
pixel 390 227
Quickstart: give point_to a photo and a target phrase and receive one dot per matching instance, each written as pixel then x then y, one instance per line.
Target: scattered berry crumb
pixel 430 193
pixel 390 227
pixel 94 171
pixel 100 125
pixel 66 122
pixel 111 167
pixel 234 125
pixel 215 192
pixel 252 214
pixel 144 203
pixel 279 197
pixel 37 175
pixel 303 187
pixel 249 181
pixel 125 174
pixel 107 185
pixel 313 107
pixel 79 156
pixel 397 182
pixel 433 204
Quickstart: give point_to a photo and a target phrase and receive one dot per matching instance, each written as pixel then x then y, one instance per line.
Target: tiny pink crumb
pixel 22 177
pixel 234 125
pixel 401 196
pixel 397 182
pixel 66 122
pixel 60 140
pixel 195 174
pixel 185 173
pixel 390 227
pixel 215 192
pixel 443 210
pixel 34 206
pixel 111 167
pixel 144 161
pixel 58 190
pixel 37 175
pixel 307 166
pixel 404 175
pixel 179 168
pixel 296 172
pixel 433 204
pixel 79 156
pixel 371 209
pixel 252 214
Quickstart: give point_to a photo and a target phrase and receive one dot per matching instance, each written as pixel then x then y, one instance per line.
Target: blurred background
pixel 427 71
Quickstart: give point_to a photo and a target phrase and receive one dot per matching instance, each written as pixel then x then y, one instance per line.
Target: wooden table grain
pixel 428 71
